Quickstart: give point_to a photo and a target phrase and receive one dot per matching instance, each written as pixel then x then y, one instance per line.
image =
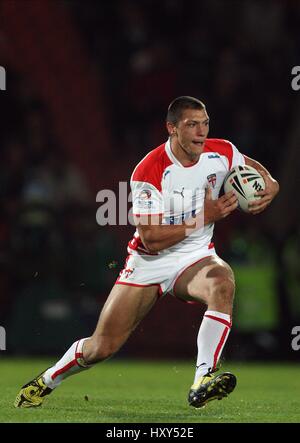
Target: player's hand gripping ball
pixel 244 181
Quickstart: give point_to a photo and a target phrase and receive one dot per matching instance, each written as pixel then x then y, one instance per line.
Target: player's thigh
pixel 199 281
pixel 124 308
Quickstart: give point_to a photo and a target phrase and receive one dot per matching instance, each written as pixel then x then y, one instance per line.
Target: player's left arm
pixel 269 193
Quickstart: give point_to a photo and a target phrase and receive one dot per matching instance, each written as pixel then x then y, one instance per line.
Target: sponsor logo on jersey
pixel 179 219
pixel 144 204
pixel 179 192
pixel 213 156
pixel 212 179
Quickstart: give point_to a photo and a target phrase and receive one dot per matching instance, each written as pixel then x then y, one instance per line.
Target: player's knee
pixel 222 290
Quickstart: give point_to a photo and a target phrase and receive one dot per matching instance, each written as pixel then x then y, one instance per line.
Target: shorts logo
pixel 127 272
pixel 145 194
pixel 212 179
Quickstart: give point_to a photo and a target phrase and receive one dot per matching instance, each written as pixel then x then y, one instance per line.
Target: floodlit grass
pixel 121 391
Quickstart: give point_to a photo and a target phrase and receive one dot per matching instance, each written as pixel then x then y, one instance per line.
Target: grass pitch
pixel 121 391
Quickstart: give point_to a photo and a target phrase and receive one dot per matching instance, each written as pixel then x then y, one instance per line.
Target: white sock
pixel 212 336
pixel 71 363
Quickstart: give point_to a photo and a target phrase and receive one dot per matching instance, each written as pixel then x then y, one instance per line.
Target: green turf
pixel 120 391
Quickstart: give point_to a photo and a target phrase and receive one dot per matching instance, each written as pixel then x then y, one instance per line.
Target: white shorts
pixel 161 271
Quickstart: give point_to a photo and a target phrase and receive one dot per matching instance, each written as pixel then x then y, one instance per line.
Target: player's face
pixel 191 131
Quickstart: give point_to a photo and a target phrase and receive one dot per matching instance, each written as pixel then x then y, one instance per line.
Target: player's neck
pixel 184 157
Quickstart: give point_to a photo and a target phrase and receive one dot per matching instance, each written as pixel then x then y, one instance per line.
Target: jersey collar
pixel 173 158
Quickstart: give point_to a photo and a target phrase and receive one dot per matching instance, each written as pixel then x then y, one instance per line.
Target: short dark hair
pixel 178 105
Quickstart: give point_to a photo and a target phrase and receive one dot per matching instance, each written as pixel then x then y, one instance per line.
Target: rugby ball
pixel 245 181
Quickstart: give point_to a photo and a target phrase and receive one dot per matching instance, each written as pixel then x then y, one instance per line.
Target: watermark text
pixel 2 79
pixel 2 339
pixel 148 207
pixel 296 79
pixel 296 340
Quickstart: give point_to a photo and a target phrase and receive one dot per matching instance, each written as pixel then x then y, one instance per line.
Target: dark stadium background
pixel 87 88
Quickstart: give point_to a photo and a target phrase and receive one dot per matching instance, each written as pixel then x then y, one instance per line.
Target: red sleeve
pixel 151 168
pixel 222 147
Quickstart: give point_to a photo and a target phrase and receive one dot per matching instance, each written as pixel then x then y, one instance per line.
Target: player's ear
pixel 171 128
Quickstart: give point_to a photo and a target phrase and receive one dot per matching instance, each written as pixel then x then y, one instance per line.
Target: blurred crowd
pixel 236 56
pixel 50 246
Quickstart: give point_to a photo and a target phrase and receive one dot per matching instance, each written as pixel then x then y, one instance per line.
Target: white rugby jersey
pixel 160 184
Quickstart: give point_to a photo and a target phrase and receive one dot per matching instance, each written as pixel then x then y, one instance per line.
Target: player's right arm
pixel 157 236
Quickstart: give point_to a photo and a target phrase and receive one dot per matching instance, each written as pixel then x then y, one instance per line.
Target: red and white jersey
pixel 160 184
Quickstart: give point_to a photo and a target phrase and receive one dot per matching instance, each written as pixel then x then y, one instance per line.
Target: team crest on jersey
pixel 212 179
pixel 145 194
